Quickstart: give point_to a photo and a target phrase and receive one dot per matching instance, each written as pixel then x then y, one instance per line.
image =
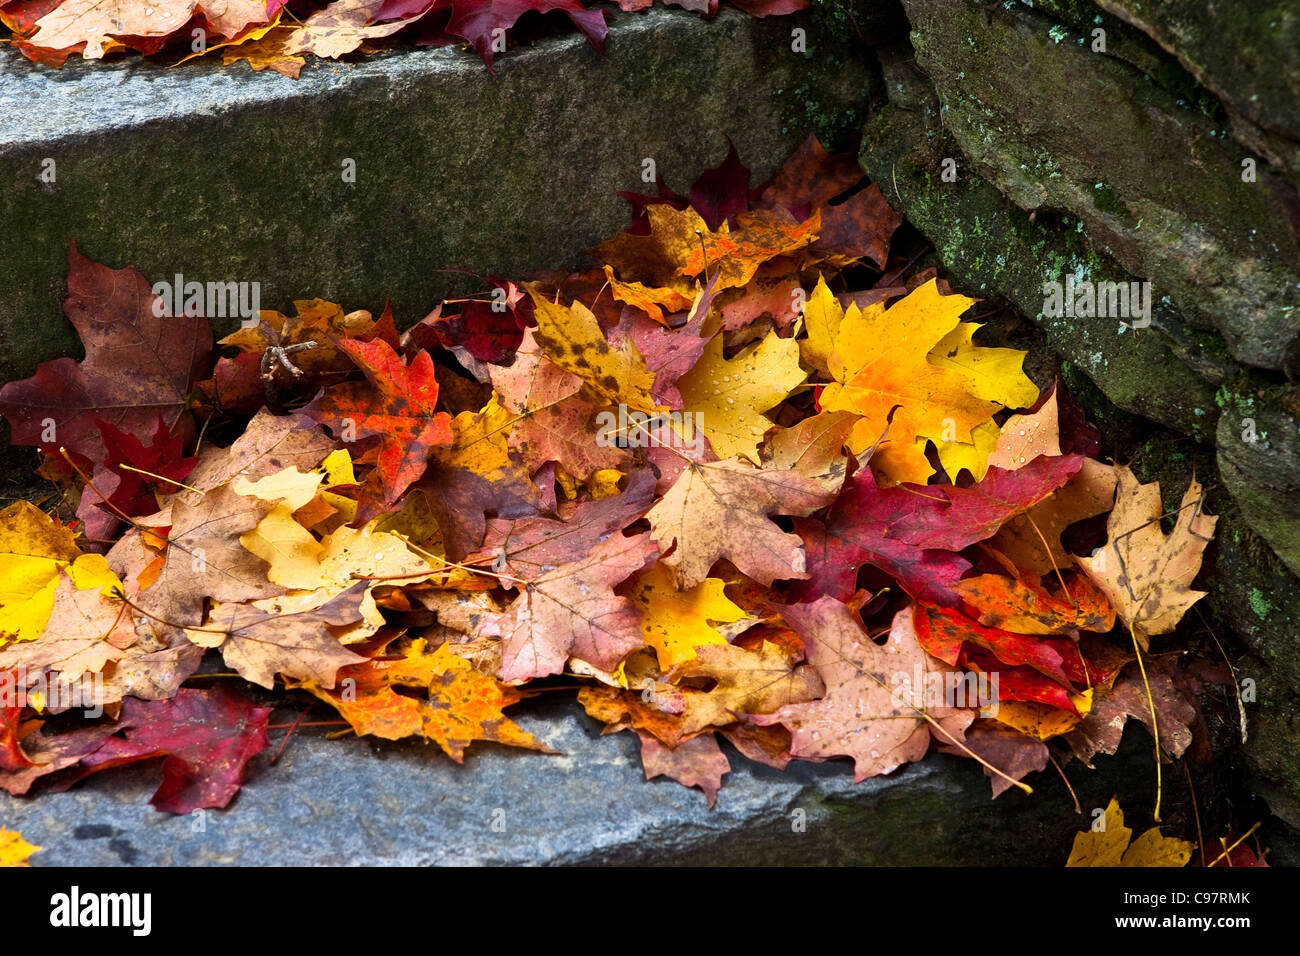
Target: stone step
pixel 222 174
pixel 351 801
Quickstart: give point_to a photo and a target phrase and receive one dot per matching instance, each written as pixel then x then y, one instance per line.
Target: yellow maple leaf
pixel 676 622
pixel 919 356
pixel 1111 846
pixel 1146 574
pixel 570 337
pixel 14 850
pixel 33 549
pixel 727 397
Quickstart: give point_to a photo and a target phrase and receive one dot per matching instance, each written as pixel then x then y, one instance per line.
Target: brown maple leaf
pixel 261 642
pixel 698 762
pixel 874 709
pixel 1147 574
pixel 139 364
pixel 572 611
pixel 722 510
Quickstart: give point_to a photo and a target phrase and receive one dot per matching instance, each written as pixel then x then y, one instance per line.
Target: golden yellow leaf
pixel 14 850
pixel 919 356
pixel 1111 846
pixel 676 622
pixel 727 397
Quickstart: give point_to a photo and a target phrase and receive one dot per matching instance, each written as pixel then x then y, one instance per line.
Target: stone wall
pixel 1125 163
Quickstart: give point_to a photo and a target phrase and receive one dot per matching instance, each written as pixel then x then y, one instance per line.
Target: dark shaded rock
pixel 1246 51
pixel 1056 126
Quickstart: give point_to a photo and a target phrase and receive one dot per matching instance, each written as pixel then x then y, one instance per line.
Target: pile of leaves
pixel 279 34
pixel 724 498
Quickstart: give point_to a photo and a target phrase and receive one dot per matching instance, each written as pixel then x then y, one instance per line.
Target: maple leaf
pixel 318 321
pixel 207 738
pixel 746 683
pixel 461 704
pixel 572 339
pixel 860 227
pixel 1032 541
pixel 1015 604
pixel 811 177
pixel 1113 845
pixel 943 632
pixel 260 642
pixel 204 559
pixel 47 754
pixel 912 532
pixel 531 547
pixel 1103 727
pixel 1024 437
pixel 96 24
pixel 396 404
pixel 11 753
pixel 340 28
pixel 139 364
pixel 727 397
pixel 680 246
pixel 474 476
pixel 553 420
pixel 676 622
pixel 269 444
pixel 698 762
pixel 14 850
pixel 1014 754
pixel 917 356
pixel 572 611
pixel 488 331
pixel 477 20
pixel 119 476
pixel 33 547
pixel 86 630
pixel 866 713
pixel 1147 574
pixel 722 510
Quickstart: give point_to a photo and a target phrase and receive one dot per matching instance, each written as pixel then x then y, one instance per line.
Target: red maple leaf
pixel 396 405
pixel 913 532
pixel 206 737
pixel 139 364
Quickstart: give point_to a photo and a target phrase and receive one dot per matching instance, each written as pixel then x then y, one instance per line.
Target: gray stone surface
pixel 352 801
pixel 222 174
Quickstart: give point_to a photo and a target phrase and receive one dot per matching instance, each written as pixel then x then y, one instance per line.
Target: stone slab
pixel 222 174
pixel 350 801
